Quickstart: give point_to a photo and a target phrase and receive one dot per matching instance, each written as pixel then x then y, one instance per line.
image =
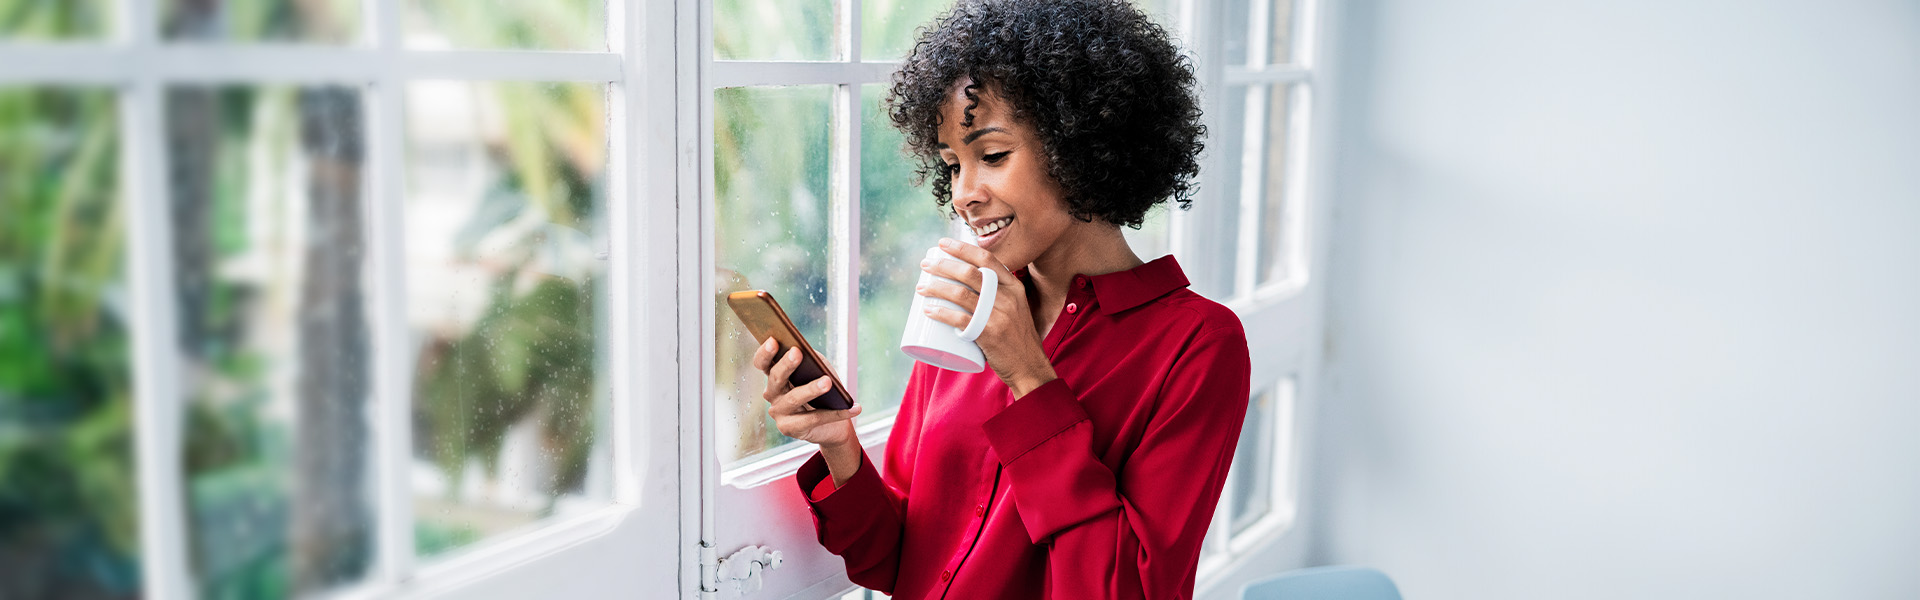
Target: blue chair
pixel 1323 583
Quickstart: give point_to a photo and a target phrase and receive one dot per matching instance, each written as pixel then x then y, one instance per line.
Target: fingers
pixel 778 375
pixel 797 426
pixel 763 356
pixel 951 317
pixel 973 255
pixel 795 400
pixel 964 273
pixel 967 299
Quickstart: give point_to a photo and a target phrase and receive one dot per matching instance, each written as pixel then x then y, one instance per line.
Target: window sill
pixel 779 465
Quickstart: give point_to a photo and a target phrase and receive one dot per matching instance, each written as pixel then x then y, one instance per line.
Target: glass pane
pixel 898 222
pixel 1275 198
pixel 309 21
pixel 529 24
pixel 1280 33
pixel 69 523
pixel 1151 240
pixel 1249 482
pixel 45 20
pixel 506 298
pixel 770 152
pixel 1216 218
pixel 888 28
pixel 1237 19
pixel 775 30
pixel 268 241
pixel 1164 12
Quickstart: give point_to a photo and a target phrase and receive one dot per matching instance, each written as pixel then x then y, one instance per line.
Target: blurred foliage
pixel 888 28
pixel 534 24
pixel 45 20
pixel 533 352
pixel 774 30
pixel 323 21
pixel 67 501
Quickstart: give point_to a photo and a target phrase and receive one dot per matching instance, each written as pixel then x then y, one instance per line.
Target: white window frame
pixel 639 70
pixel 846 74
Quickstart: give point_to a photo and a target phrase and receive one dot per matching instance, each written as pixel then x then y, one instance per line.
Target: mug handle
pixel 989 289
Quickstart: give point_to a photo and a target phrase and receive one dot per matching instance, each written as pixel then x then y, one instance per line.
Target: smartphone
pixel 764 319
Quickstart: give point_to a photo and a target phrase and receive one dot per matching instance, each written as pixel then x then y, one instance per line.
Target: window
pixel 812 201
pixel 323 314
pixel 1260 223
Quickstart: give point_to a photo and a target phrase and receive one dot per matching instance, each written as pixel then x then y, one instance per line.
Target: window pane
pixel 1249 482
pixel 324 21
pixel 42 20
pixel 770 172
pixel 530 24
pixel 1151 240
pixel 898 223
pixel 774 30
pixel 507 297
pixel 888 28
pixel 1216 220
pixel 1280 33
pixel 1275 197
pixel 1164 12
pixel 1237 20
pixel 268 242
pixel 69 524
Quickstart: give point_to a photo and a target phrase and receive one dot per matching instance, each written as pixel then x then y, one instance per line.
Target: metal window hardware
pixel 744 568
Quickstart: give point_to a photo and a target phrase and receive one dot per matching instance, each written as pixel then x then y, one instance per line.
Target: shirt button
pixel 1073 308
pixel 946 575
pixel 1080 282
pixel 980 510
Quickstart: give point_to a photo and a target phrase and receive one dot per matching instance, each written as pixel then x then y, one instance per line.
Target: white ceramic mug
pixel 943 345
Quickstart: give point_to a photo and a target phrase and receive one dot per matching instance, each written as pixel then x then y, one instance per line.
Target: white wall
pixel 1626 299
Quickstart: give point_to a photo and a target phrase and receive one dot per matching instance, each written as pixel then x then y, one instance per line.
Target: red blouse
pixel 1099 484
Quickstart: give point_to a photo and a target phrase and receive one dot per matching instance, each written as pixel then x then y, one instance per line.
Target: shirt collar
pixel 1120 291
pixel 1123 290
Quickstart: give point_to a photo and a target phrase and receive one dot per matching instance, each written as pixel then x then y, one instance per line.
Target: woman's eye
pixel 996 157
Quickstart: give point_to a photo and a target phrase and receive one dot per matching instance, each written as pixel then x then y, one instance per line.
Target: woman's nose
pixel 967 191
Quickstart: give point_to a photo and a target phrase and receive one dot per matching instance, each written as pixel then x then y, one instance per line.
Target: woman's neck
pixel 1094 248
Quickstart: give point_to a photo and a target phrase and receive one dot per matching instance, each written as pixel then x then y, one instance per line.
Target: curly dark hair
pixel 1111 97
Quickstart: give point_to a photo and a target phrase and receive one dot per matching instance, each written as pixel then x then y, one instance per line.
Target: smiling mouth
pixel 992 227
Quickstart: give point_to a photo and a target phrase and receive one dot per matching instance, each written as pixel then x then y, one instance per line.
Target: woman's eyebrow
pixel 973 136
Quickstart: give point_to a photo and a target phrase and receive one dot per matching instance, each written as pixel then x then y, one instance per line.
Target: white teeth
pixel 992 227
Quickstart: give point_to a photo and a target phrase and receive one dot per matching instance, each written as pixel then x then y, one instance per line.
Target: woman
pixel 1087 462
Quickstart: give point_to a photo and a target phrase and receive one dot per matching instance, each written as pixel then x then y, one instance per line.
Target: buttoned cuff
pixel 1041 414
pixel 855 500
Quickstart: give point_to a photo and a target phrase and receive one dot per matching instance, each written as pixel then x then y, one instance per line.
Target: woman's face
pixel 1001 188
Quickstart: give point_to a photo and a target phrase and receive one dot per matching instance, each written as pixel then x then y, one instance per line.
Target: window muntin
pixel 506 222
pixel 506 24
pixel 775 30
pixel 67 467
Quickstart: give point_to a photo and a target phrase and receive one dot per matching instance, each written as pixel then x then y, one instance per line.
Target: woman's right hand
pixel 788 404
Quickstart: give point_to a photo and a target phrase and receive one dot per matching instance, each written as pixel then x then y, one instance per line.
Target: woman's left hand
pixel 1010 341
